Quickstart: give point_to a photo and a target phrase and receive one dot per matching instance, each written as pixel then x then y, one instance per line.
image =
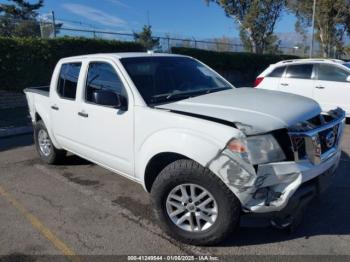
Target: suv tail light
pixel 258 81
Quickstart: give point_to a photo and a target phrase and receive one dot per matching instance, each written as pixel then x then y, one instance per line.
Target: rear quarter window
pixel 277 72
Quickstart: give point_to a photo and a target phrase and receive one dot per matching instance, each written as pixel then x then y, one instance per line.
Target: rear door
pixel 298 79
pixel 64 105
pixel 332 88
pixel 271 81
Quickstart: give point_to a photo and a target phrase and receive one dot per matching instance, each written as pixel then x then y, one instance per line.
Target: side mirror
pixel 348 79
pixel 110 98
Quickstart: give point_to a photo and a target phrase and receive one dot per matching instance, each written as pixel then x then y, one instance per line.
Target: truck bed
pixel 38 101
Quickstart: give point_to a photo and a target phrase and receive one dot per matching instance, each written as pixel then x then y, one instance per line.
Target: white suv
pixel 327 81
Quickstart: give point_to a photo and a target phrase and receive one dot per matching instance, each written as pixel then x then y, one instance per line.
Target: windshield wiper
pixel 217 89
pixel 176 94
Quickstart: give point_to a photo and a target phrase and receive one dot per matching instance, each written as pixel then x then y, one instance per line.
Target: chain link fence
pixel 47 26
pixel 167 42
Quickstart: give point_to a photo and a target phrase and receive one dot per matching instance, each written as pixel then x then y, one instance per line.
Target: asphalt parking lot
pixel 80 208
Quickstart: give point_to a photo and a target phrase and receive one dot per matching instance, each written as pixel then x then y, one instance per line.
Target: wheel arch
pixel 156 164
pixel 37 117
pixel 40 115
pixel 164 147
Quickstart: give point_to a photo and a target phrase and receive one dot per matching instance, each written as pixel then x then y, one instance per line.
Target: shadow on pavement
pixel 327 215
pixel 13 142
pixel 74 160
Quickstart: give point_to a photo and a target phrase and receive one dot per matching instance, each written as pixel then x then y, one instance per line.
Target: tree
pixel 47 29
pixel 332 20
pixel 19 18
pixel 223 44
pixel 273 45
pixel 303 45
pixel 145 38
pixel 256 20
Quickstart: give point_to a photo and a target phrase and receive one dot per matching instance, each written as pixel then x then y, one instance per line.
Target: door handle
pixel 320 87
pixel 83 114
pixel 55 107
pixel 284 84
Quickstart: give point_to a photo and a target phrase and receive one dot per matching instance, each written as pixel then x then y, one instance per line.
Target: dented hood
pixel 260 110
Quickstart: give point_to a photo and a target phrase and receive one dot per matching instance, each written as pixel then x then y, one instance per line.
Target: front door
pixel 332 89
pixel 106 133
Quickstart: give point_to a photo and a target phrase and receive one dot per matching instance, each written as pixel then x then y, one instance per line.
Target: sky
pixel 181 18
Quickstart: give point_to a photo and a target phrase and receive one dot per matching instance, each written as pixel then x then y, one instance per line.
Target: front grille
pixel 323 137
pixel 283 139
pixel 298 147
pixel 318 138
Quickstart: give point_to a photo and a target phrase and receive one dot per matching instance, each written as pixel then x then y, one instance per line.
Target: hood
pixel 257 110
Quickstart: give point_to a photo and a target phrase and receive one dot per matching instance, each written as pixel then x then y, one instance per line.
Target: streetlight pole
pixel 313 29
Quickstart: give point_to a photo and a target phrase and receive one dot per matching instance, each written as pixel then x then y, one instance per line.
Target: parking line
pixel 40 227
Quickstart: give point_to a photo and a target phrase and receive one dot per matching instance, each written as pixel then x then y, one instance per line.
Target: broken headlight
pixel 257 149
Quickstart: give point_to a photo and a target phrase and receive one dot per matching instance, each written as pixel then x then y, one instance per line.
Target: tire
pixel 49 154
pixel 187 173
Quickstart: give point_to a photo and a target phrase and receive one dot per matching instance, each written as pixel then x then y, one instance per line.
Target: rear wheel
pixel 46 150
pixel 193 205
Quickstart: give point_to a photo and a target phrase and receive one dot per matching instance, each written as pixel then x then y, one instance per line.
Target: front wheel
pixel 47 151
pixel 193 205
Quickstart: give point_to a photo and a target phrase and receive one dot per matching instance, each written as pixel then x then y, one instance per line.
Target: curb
pixel 15 131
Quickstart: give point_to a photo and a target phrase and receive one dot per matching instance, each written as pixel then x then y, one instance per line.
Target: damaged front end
pixel 266 171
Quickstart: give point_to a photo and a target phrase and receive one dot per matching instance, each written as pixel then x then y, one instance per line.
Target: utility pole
pixel 53 24
pixel 169 47
pixel 148 19
pixel 195 42
pixel 313 29
pixel 93 31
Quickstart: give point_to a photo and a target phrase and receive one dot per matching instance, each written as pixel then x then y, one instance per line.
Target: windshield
pixel 166 79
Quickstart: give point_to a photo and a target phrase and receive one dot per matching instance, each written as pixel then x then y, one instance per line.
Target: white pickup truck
pixel 206 151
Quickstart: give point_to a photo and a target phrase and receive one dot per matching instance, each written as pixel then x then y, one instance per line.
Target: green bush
pixel 30 61
pixel 239 68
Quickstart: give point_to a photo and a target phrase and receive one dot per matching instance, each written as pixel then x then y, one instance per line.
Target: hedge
pixel 239 68
pixel 30 61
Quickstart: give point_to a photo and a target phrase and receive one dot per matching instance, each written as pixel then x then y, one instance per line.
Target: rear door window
pixel 277 72
pixel 299 71
pixel 68 80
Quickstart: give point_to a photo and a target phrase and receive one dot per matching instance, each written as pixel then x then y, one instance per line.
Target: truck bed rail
pixel 42 90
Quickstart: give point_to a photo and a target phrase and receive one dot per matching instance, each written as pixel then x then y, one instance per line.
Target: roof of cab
pixel 122 55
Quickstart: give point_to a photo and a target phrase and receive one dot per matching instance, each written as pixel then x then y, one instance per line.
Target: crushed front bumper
pixel 290 216
pixel 286 179
pixel 269 187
